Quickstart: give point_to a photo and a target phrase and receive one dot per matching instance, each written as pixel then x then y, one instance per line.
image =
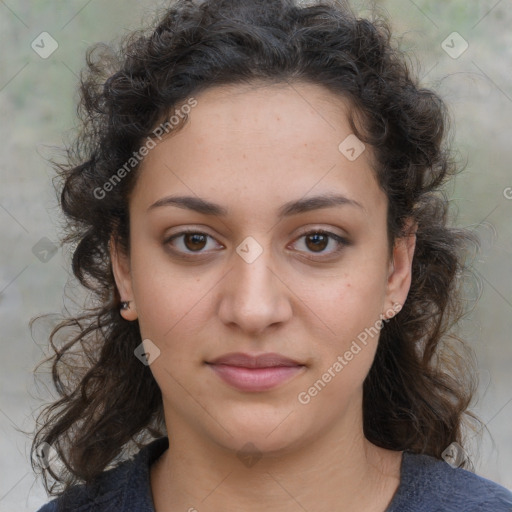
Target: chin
pixel 275 437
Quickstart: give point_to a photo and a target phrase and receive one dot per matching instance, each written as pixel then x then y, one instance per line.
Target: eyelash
pixel 341 241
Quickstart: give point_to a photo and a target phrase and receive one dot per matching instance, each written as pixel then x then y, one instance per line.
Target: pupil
pixel 319 241
pixel 316 238
pixel 196 239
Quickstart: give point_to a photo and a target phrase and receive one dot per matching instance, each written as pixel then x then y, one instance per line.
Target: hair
pixel 421 383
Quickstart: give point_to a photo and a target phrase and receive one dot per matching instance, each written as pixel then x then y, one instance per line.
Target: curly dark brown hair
pixel 422 381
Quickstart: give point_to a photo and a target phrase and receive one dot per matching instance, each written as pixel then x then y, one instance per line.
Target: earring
pixel 128 310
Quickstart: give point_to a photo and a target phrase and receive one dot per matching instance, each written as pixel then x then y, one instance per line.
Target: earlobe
pixel 122 275
pixel 128 311
pixel 400 275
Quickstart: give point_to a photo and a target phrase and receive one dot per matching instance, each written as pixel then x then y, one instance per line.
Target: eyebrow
pixel 303 205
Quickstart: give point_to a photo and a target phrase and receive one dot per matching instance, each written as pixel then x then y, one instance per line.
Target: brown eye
pixel 323 243
pixel 188 243
pixel 195 241
pixel 317 242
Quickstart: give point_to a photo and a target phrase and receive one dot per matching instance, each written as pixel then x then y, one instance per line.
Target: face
pixel 259 260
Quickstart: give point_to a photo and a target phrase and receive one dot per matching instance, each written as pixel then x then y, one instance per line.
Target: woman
pixel 256 199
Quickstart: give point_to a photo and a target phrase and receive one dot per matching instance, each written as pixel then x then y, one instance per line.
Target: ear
pixel 400 268
pixel 122 275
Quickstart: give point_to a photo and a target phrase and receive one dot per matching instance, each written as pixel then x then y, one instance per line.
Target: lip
pixel 267 360
pixel 262 372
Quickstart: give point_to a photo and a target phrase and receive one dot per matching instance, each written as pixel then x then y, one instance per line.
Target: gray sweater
pixel 426 485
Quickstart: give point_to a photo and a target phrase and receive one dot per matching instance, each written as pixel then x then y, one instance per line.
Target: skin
pixel 250 150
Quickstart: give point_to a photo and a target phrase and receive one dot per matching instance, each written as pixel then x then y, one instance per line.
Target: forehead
pixel 266 111
pixel 258 140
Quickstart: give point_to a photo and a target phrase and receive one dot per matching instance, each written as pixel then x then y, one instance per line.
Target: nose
pixel 253 296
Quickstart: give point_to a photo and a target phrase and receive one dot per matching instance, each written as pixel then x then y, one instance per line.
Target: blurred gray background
pixel 37 109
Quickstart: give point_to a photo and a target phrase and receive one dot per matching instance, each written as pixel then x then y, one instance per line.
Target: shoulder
pixel 49 507
pixel 123 488
pixel 431 485
pixel 106 493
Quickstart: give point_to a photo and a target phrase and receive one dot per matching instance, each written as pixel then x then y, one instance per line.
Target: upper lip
pixel 267 360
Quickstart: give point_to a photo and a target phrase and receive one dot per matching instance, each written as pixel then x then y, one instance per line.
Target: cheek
pixel 348 310
pixel 351 311
pixel 351 300
pixel 169 302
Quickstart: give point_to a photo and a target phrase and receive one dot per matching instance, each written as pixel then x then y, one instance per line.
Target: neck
pixel 327 471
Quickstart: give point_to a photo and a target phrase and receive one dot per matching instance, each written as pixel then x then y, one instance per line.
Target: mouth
pixel 267 360
pixel 255 373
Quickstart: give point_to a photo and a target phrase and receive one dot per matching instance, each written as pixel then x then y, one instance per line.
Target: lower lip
pixel 255 379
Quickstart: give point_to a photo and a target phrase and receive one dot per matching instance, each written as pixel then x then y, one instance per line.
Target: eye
pixel 189 242
pixel 318 240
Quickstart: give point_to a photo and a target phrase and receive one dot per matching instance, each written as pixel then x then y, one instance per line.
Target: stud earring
pixel 125 305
